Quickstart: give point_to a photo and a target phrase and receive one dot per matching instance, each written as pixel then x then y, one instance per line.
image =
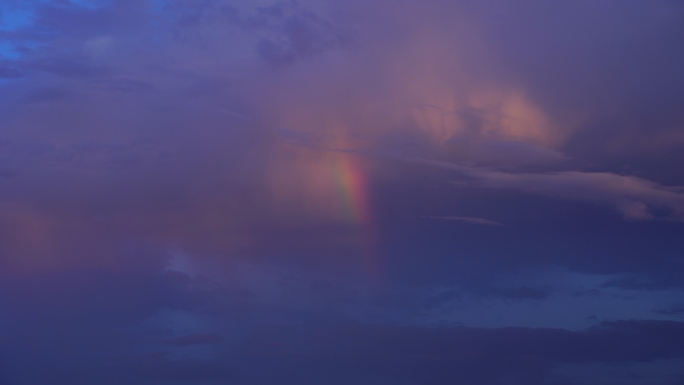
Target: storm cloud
pixel 342 192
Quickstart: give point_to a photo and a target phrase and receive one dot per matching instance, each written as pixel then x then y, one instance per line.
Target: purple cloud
pixel 471 220
pixel 159 225
pixel 196 339
pixel 635 198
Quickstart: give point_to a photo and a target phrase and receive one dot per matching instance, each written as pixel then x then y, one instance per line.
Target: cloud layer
pixel 353 192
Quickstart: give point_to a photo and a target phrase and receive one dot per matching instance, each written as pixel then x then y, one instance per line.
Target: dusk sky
pixel 341 192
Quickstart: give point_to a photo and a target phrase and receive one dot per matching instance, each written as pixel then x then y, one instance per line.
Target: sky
pixel 385 192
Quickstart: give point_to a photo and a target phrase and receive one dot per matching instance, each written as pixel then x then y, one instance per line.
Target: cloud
pixel 674 310
pixel 138 127
pixel 8 72
pixel 471 220
pixel 476 355
pixel 69 69
pixel 514 293
pixel 502 153
pixel 298 33
pixel 186 370
pixel 635 198
pixel 196 339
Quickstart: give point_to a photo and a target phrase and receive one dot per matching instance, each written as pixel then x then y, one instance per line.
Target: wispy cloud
pixel 196 339
pixel 467 220
pixel 633 197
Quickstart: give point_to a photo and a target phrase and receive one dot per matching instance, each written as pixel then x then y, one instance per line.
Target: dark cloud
pixel 7 72
pixel 183 371
pixel 195 339
pixel 301 34
pixel 475 355
pixel 658 280
pixel 634 198
pixel 515 293
pixel 471 220
pixel 675 310
pixel 69 69
pixel 45 95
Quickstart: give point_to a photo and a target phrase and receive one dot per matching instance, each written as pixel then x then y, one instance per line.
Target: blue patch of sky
pixel 14 51
pixel 91 4
pixel 158 6
pixel 20 14
pixel 15 18
pixel 9 51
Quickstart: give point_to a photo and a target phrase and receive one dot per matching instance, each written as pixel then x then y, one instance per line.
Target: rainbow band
pixel 354 192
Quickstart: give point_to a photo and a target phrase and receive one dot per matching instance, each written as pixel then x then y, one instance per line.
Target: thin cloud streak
pixel 634 198
pixel 467 220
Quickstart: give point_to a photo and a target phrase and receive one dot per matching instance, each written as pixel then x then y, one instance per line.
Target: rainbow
pixel 354 193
